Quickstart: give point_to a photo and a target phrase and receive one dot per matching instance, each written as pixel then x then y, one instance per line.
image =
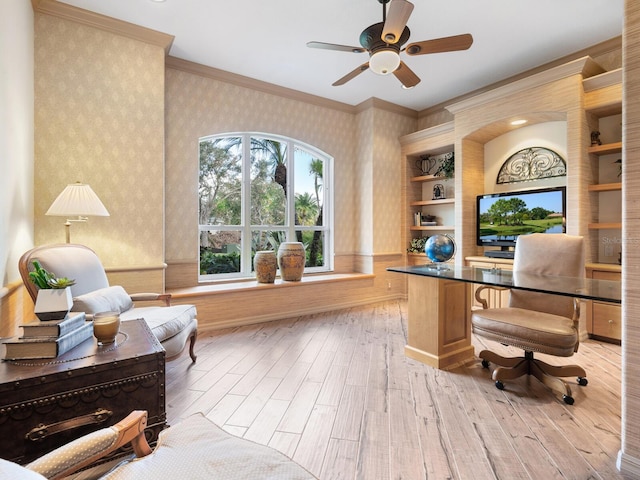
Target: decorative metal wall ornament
pixel 532 163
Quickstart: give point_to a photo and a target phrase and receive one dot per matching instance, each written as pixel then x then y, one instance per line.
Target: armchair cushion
pixel 164 322
pixel 108 299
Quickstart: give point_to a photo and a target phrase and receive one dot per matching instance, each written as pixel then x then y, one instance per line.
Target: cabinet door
pixel 606 320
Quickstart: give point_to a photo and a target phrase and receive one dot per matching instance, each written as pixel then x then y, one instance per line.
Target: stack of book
pixel 49 339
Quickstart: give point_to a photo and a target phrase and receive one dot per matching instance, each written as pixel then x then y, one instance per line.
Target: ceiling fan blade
pixel 438 45
pixel 397 17
pixel 351 75
pixel 333 46
pixel 406 76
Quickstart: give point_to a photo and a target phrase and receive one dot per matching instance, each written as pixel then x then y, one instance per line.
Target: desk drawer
pixel 607 320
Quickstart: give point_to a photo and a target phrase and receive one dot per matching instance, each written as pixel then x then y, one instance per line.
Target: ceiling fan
pixel 383 41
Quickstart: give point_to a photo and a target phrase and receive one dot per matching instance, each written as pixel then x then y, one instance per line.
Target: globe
pixel 440 248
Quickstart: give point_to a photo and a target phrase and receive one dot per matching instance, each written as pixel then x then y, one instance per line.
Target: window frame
pixel 247 230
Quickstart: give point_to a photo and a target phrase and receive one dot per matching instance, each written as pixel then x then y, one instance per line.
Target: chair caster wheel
pixel 567 399
pixel 499 385
pixel 485 363
pixel 582 381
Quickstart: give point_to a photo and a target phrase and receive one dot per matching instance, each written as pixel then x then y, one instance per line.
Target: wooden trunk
pixel 47 403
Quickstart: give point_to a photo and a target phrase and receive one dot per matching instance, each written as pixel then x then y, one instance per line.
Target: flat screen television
pixel 503 217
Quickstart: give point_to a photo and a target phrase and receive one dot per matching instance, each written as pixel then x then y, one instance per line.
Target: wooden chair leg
pixel 561 370
pixel 493 357
pixel 192 345
pixel 553 382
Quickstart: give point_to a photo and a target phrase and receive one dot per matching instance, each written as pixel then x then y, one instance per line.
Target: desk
pixel 439 328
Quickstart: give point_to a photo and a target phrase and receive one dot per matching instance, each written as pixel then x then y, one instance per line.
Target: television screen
pixel 502 217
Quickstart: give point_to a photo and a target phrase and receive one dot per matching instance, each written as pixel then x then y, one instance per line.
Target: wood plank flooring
pixel 335 392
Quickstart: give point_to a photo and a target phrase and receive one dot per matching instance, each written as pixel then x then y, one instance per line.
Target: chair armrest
pixel 483 301
pixel 149 297
pixel 85 450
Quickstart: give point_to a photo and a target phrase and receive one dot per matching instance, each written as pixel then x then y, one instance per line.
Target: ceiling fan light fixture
pixel 384 62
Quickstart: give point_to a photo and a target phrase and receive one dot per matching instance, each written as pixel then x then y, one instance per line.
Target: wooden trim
pixel 606 79
pixel 606 149
pixel 605 226
pixel 384 105
pixel 223 288
pixel 253 84
pixel 605 187
pixel 584 66
pixel 102 22
pixel 429 133
pixel 136 268
pixel 603 48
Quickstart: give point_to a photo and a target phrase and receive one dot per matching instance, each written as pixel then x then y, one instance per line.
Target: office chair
pixel 533 321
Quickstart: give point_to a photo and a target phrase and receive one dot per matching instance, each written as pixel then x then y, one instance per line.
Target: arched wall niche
pixel 481 120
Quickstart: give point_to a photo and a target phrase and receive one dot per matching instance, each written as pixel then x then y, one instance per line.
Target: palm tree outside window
pixel 256 191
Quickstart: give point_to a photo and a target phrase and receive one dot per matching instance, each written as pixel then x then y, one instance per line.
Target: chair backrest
pixel 69 260
pixel 557 254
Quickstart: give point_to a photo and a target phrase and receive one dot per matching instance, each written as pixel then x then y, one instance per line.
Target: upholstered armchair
pixel 533 321
pixel 193 449
pixel 173 325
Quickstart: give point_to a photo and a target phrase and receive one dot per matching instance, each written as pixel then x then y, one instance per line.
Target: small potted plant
pixel 54 300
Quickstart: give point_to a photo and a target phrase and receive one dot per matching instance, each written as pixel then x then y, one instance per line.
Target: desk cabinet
pixel 439 332
pixel 604 320
pixel 47 403
pixel 495 298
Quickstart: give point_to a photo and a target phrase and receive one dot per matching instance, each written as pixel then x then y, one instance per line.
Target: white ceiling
pixel 266 40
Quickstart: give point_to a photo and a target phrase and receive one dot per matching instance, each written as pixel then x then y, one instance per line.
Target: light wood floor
pixel 336 393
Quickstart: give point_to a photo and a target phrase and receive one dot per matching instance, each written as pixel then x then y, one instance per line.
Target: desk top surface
pixel 577 287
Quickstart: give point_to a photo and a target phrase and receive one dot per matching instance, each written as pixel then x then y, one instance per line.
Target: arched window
pixel 256 191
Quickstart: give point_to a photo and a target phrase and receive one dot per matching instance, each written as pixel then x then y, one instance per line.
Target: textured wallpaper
pixel 198 106
pixel 99 119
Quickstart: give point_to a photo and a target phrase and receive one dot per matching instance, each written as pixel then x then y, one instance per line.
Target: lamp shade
pixel 77 199
pixel 384 61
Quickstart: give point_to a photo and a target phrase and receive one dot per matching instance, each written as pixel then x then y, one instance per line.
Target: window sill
pixel 248 285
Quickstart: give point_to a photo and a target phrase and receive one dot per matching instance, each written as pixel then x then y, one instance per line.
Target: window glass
pixel 267 190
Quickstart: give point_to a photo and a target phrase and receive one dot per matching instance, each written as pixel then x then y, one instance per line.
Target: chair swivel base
pixel 514 367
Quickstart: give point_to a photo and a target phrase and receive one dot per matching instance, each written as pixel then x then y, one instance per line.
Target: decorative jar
pixel 265 264
pixel 291 260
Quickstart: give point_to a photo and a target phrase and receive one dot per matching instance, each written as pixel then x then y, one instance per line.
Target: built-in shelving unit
pixel 603 105
pixel 419 195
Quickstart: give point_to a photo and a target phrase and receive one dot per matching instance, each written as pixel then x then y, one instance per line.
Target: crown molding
pixel 253 84
pixel 388 106
pixel 584 66
pixel 102 22
pixel 612 45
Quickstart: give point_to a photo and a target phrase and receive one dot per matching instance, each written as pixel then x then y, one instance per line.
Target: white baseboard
pixel 629 466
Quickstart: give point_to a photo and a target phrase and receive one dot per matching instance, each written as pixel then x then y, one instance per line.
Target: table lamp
pixel 79 200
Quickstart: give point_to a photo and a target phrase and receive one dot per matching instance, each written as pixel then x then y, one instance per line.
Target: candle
pixel 106 326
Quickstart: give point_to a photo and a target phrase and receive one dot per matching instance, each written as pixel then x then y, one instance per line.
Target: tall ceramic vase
pixel 265 264
pixel 291 260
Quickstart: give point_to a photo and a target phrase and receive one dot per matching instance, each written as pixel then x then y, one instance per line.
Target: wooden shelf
pixel 421 203
pixel 434 228
pixel 428 178
pixel 605 226
pixel 605 187
pixel 606 148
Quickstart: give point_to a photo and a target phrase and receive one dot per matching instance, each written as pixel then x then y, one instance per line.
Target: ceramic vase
pixel 53 304
pixel 265 264
pixel 291 260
